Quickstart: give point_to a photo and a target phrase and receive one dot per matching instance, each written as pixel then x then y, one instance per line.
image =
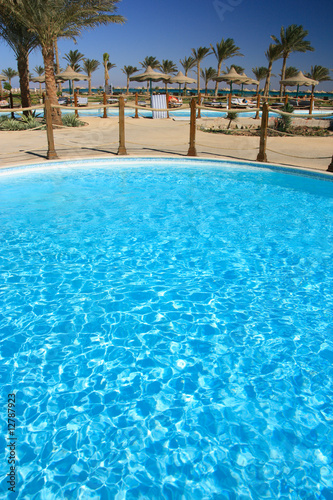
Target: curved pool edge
pixel 200 160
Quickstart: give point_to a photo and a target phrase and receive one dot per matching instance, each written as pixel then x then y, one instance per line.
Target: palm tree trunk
pixel 127 86
pixel 283 73
pixel 57 61
pixel 23 70
pixel 198 77
pixel 89 83
pixel 218 74
pixel 1 92
pixel 106 75
pixel 50 83
pixel 268 79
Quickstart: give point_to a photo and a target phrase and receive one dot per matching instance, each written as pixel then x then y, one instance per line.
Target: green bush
pixel 232 115
pixel 284 123
pixel 24 123
pixel 71 121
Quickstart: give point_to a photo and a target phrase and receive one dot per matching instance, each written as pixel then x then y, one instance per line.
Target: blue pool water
pixel 182 113
pixel 166 327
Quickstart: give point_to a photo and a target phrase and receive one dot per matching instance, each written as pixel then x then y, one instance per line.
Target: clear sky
pixel 169 30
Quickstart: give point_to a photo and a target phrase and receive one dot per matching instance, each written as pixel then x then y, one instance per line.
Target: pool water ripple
pixel 168 331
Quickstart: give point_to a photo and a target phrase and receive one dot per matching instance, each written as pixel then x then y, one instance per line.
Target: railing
pixel 195 109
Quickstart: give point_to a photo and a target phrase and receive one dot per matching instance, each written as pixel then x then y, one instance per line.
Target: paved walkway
pixel 148 137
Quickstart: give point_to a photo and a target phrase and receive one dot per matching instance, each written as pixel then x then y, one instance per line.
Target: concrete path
pixel 148 137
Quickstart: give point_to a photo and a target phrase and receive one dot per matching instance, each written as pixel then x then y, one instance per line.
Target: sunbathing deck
pixel 147 137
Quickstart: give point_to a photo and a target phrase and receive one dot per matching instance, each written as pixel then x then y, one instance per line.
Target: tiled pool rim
pixel 171 160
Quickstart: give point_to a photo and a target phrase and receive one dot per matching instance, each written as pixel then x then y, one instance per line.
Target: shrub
pixel 71 121
pixel 24 123
pixel 284 123
pixel 232 115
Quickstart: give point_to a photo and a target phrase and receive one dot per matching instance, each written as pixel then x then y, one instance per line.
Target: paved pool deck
pixel 168 137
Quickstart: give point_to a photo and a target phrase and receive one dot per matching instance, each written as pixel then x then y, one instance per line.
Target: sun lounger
pixel 241 103
pixel 63 101
pixel 142 103
pixel 215 104
pixel 4 104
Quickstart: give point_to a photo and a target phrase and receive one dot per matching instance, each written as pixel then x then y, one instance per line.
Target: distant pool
pixel 182 113
pixel 166 327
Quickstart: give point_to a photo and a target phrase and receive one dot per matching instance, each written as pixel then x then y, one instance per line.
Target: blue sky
pixel 169 30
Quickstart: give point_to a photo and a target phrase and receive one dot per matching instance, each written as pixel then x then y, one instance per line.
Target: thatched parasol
pixel 71 75
pixel 299 80
pixel 150 76
pixel 181 78
pixel 231 77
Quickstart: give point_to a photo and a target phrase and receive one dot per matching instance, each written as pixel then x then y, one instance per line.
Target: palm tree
pixel 73 58
pixel 89 66
pixel 107 66
pixel 9 73
pixel 291 40
pixel 150 61
pixel 223 51
pixel 22 42
pixel 57 64
pixel 208 74
pixel 51 19
pixel 168 67
pixel 187 63
pixel 260 73
pixel 319 73
pixel 273 53
pixel 40 71
pixel 238 69
pixel 290 72
pixel 198 55
pixel 129 70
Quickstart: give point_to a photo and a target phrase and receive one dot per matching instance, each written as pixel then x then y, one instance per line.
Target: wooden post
pixel 258 106
pixel 51 152
pixel 104 102
pixel 263 134
pixel 229 100
pixel 199 104
pixel 75 105
pixel 11 103
pixel 286 99
pixel 330 166
pixel 136 103
pixel 167 103
pixel 122 148
pixel 311 105
pixel 192 150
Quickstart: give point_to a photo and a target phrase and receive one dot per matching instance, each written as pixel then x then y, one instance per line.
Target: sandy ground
pixel 148 137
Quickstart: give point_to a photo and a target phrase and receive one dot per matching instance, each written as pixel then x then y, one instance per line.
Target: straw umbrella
pixel 151 76
pixel 248 81
pixel 71 75
pixel 181 78
pixel 38 79
pixel 299 80
pixel 231 77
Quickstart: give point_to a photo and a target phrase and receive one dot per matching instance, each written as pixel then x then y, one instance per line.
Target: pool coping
pixel 295 170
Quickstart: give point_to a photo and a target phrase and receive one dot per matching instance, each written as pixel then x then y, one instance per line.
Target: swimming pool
pixel 166 326
pixel 181 113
